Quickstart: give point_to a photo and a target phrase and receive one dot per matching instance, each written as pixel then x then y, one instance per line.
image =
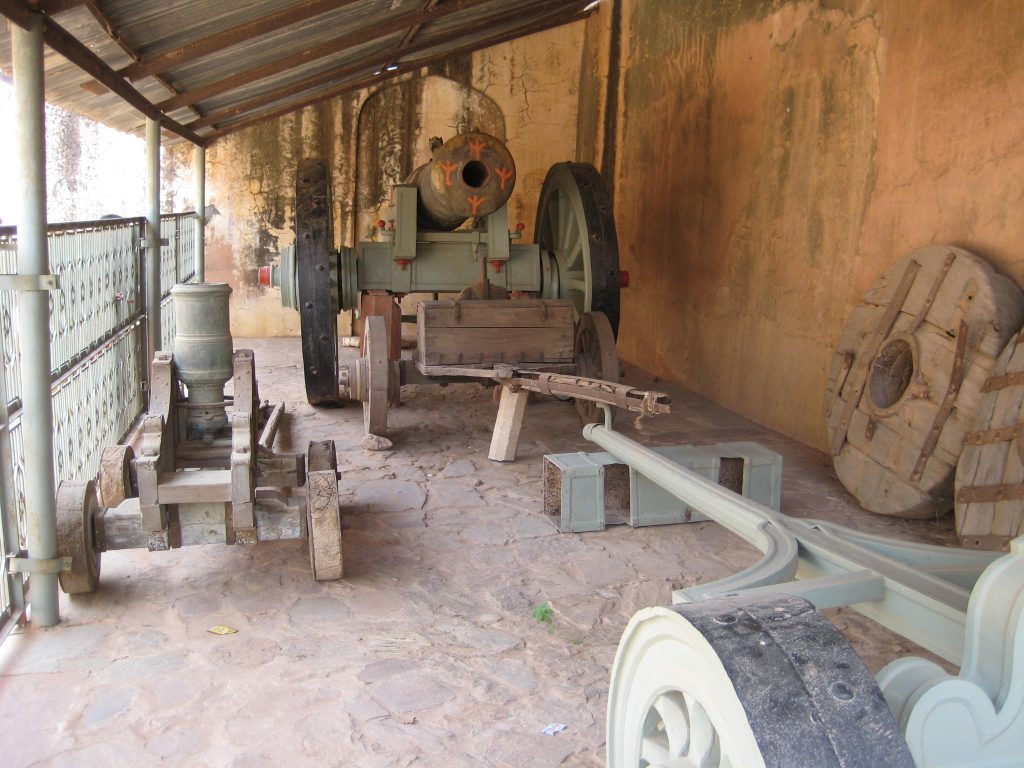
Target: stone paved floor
pixel 426 654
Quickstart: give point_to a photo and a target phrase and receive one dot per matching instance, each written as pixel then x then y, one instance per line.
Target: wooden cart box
pixel 482 332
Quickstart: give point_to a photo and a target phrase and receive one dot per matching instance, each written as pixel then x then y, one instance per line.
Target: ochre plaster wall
pixel 251 174
pixel 771 159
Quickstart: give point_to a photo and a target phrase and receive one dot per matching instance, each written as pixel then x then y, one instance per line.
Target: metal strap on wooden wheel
pixel 990 436
pixel 956 378
pixel 872 344
pixel 1005 381
pixel 936 287
pixel 980 494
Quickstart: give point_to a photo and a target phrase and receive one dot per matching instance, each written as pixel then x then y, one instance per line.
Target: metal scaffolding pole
pixel 153 334
pixel 199 171
pixel 34 315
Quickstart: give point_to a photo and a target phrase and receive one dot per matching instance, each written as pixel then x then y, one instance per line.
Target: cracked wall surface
pixel 770 159
pixel 528 85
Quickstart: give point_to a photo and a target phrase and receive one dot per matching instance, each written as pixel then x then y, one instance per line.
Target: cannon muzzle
pixel 472 174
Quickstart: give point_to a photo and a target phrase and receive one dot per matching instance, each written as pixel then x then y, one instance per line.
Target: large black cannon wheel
pixel 316 273
pixel 576 233
pixel 745 682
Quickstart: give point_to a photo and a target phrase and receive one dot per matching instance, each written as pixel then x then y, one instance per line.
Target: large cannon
pixel 472 175
pixel 532 316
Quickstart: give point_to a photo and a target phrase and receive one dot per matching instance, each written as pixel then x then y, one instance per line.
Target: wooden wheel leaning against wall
pixel 989 506
pixel 906 378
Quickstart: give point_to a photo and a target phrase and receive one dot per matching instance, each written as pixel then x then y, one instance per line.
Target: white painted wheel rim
pixel 671 703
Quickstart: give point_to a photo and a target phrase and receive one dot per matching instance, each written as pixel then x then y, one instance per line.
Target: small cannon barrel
pixel 472 174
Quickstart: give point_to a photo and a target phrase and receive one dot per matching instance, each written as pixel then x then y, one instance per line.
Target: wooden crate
pixel 486 332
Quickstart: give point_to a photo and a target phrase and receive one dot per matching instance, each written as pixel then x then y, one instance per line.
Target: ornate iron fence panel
pixel 100 286
pixel 187 231
pixel 18 466
pixel 168 253
pixel 96 403
pixel 97 335
pixel 177 265
pixel 167 321
pixel 12 531
pixel 9 316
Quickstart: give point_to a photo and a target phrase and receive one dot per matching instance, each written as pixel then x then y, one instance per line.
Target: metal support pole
pixel 199 171
pixel 152 242
pixel 34 314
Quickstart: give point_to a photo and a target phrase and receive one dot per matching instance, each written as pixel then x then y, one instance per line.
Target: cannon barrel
pixel 472 174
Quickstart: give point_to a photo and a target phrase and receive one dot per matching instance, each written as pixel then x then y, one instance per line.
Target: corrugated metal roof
pixel 209 68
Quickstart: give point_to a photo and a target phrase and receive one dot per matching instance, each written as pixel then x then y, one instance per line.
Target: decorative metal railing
pixel 97 335
pixel 177 265
pixel 100 291
pixel 9 316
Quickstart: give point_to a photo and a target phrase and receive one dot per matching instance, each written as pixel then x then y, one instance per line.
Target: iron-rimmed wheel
pixel 375 352
pixel 323 513
pixel 76 536
pixel 576 227
pixel 316 272
pixel 595 357
pixel 745 683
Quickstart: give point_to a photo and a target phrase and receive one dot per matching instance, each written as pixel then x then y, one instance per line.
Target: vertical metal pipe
pixel 34 314
pixel 199 171
pixel 152 242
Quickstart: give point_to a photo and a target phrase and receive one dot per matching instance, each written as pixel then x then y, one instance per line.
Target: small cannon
pixel 530 316
pixel 206 472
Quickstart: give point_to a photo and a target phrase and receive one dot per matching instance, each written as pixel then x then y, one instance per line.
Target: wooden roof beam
pixel 50 7
pixel 226 38
pixel 415 29
pixel 359 37
pixel 533 28
pixel 57 38
pixel 541 9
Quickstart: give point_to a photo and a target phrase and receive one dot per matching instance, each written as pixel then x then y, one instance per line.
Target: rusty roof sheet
pixel 209 68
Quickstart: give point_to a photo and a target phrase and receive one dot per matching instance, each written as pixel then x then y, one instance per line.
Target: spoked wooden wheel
pixel 745 683
pixel 316 273
pixel 375 352
pixel 576 230
pixel 76 538
pixel 595 357
pixel 323 515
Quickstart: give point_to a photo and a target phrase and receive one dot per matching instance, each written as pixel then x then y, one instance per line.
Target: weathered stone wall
pixel 771 158
pixel 528 86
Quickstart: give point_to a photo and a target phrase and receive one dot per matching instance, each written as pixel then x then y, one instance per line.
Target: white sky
pixel 111 171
